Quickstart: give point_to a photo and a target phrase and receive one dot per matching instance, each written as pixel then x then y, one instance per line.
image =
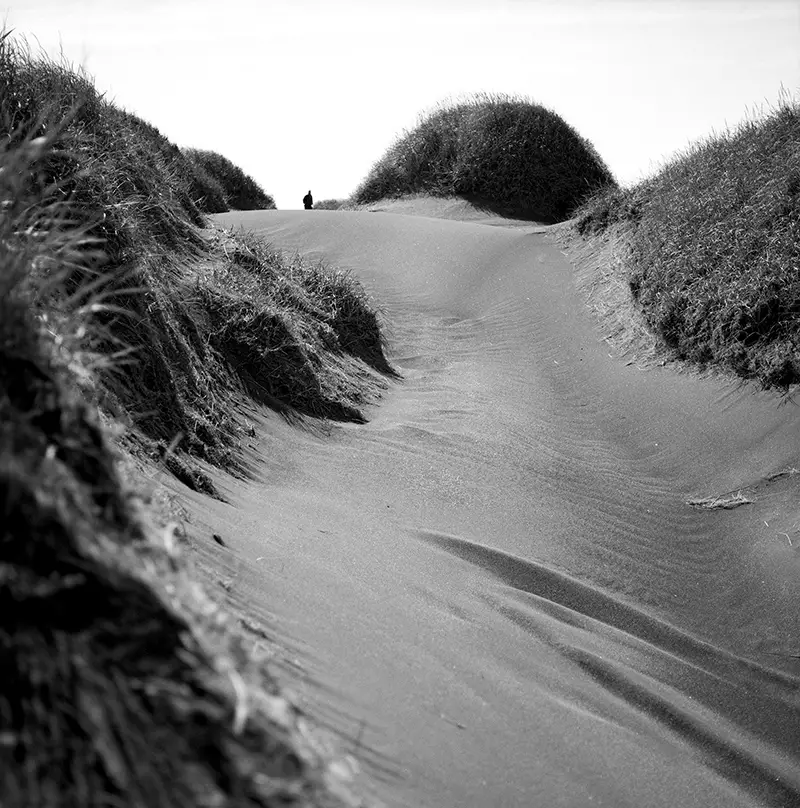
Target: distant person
pixel 308 201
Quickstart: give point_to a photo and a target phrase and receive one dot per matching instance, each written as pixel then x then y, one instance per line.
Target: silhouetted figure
pixel 308 201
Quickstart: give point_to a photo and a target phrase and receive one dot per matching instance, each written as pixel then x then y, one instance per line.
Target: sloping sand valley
pixel 495 590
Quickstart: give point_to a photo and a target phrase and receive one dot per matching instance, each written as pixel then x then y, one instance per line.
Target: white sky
pixel 309 93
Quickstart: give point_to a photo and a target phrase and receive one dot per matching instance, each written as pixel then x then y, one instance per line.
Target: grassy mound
pixel 129 188
pixel 299 337
pixel 507 154
pixel 240 190
pixel 206 190
pixel 713 248
pixel 330 204
pixel 122 684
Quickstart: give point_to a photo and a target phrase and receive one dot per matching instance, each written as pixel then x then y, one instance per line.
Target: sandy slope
pixel 495 587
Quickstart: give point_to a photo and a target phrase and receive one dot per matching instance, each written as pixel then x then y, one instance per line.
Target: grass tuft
pixel 300 338
pixel 239 190
pixel 726 502
pixel 505 153
pixel 206 190
pixel 330 204
pixel 713 248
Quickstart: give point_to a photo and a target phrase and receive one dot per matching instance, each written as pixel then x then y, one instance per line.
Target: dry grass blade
pixel 724 502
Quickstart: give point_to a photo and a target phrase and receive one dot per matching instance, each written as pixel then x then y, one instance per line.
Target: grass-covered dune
pixel 505 153
pixel 330 204
pixel 224 178
pixel 122 684
pixel 159 285
pixel 711 248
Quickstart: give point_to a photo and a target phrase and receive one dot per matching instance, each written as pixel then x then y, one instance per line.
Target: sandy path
pixel 496 584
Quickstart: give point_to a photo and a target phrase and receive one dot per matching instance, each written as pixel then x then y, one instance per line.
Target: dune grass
pixel 712 248
pixel 330 204
pixel 240 191
pixel 205 189
pixel 123 685
pixel 505 153
pixel 726 502
pixel 129 187
pixel 301 338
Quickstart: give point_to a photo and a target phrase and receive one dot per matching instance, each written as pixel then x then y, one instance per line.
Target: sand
pixel 495 590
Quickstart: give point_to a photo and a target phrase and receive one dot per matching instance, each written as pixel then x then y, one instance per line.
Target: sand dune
pixel 496 588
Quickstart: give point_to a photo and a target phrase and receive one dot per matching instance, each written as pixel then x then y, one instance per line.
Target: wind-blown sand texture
pixel 496 588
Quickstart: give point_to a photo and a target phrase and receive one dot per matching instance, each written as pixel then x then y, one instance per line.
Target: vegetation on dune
pixel 205 189
pixel 127 185
pixel 111 296
pixel 121 180
pixel 109 655
pixel 505 153
pixel 240 191
pixel 330 204
pixel 712 248
pixel 299 337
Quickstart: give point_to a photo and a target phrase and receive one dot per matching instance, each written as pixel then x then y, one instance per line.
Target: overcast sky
pixel 309 93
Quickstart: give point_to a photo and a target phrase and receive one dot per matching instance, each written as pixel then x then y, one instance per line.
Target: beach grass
pixel 504 153
pixel 330 204
pixel 711 248
pixel 123 684
pixel 239 190
pixel 129 187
